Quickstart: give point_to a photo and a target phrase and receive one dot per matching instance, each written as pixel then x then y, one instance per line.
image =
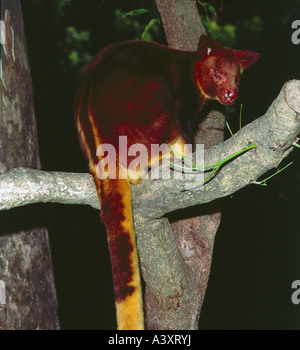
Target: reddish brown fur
pixel 119 243
pixel 151 94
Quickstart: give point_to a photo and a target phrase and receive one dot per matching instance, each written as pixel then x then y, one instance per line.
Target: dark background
pixel 256 250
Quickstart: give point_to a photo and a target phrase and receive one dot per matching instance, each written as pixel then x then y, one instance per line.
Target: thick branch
pixel 194 234
pixel 181 20
pixel 273 134
pixel 21 186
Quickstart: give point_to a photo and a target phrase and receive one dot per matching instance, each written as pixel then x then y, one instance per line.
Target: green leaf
pixel 211 9
pixel 73 57
pixel 149 26
pixel 135 13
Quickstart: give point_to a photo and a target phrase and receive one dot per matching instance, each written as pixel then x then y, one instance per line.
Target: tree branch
pixel 181 20
pixel 21 186
pixel 194 229
pixel 273 134
pixel 176 269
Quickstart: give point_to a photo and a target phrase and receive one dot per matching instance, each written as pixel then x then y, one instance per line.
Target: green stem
pixel 263 182
pixel 234 155
pixel 227 124
pixel 216 166
pixel 240 117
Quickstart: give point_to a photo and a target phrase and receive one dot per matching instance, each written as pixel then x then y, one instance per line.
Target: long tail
pixel 116 212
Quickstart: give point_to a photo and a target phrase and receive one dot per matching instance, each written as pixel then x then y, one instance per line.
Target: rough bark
pixel 25 259
pixel 182 23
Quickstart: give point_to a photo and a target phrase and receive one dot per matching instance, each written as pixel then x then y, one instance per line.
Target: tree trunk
pixel 26 274
pixel 175 303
